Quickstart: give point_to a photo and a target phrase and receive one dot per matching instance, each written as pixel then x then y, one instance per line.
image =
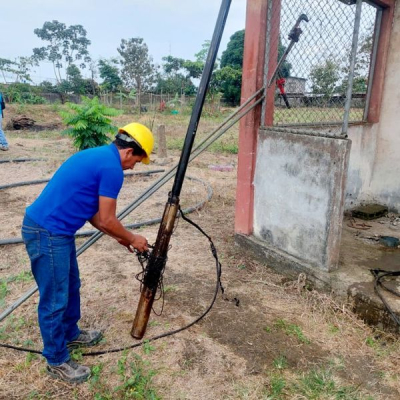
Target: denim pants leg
pixel 54 266
pixel 3 140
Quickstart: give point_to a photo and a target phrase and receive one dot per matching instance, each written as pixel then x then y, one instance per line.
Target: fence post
pixel 162 142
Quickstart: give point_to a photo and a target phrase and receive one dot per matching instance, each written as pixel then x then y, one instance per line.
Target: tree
pixel 138 70
pixel 66 44
pixel 172 64
pixel 18 69
pixel 175 84
pixel 233 55
pixel 228 81
pixel 324 77
pixel 201 56
pixel 109 72
pixel 361 68
pixel 194 68
pixel 75 80
pixel 176 77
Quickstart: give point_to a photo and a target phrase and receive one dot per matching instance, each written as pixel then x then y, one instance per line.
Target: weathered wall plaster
pixel 374 169
pixel 299 195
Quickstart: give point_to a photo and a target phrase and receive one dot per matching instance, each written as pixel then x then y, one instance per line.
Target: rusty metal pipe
pixel 154 269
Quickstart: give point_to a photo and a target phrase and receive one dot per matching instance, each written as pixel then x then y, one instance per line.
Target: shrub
pixel 89 123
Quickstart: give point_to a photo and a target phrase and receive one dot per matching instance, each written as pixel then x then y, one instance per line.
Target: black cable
pixel 379 274
pixel 22 160
pixel 119 349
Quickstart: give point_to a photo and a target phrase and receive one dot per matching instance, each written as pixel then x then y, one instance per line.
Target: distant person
pixel 84 188
pixel 3 140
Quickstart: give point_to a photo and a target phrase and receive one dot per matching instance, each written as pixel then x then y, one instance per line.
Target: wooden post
pixel 162 142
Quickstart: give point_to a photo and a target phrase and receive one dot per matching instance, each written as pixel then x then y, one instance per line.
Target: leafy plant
pixel 90 123
pixel 136 381
pixel 147 347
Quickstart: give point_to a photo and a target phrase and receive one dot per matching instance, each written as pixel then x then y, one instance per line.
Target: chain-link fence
pixel 312 82
pixel 148 102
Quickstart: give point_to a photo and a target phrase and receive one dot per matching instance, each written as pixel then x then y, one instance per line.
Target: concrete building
pixel 293 189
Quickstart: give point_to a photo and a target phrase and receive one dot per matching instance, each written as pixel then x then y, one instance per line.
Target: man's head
pixel 135 143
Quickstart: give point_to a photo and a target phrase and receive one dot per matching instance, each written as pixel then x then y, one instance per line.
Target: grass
pixel 24 276
pixel 136 379
pixel 280 362
pixel 11 326
pixel 312 385
pixel 228 145
pixel 292 330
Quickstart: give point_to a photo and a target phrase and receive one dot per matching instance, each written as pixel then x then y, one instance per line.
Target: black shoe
pixel 86 339
pixel 70 372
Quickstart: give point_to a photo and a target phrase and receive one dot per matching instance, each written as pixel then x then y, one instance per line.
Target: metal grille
pixel 316 70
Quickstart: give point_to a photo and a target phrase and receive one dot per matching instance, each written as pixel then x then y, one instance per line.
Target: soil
pixel 234 352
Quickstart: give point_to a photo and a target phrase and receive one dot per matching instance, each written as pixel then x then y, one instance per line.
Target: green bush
pixel 23 93
pixel 89 123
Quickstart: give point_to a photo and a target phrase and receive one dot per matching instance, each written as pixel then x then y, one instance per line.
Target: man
pixel 3 140
pixel 84 188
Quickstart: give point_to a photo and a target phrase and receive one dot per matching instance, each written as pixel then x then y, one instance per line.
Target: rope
pixel 218 287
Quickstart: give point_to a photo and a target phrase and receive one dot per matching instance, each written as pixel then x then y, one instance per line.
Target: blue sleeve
pixel 111 180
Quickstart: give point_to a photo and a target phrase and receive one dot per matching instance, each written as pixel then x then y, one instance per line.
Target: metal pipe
pixel 353 56
pixel 266 59
pixel 39 181
pixel 378 24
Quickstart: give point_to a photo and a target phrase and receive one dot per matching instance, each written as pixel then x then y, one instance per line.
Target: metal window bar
pixel 317 69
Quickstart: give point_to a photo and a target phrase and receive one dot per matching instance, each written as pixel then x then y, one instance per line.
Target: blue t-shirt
pixel 72 196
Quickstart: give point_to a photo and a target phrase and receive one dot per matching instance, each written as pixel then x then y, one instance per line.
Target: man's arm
pixel 106 221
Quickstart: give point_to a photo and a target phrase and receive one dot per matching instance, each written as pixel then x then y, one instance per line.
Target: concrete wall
pixel 299 195
pixel 374 170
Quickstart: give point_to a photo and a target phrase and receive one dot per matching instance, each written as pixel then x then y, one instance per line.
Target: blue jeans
pixel 3 140
pixel 55 268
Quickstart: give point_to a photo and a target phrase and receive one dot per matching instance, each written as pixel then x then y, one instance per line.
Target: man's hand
pixel 139 243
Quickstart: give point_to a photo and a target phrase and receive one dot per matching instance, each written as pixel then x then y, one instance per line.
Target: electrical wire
pixel 379 274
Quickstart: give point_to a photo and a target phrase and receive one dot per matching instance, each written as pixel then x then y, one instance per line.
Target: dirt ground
pixel 282 341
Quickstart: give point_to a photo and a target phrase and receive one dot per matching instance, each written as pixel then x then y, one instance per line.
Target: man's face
pixel 129 159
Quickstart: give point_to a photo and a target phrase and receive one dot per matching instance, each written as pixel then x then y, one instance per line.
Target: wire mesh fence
pixel 311 84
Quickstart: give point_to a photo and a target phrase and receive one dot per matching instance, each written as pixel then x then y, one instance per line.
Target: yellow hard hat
pixel 142 136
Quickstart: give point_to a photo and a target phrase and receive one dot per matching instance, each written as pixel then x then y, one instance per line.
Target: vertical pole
pixel 353 56
pixel 200 98
pixel 162 142
pixel 254 61
pixel 377 33
pixel 266 60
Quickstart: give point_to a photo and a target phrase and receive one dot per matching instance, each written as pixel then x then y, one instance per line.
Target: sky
pixel 176 27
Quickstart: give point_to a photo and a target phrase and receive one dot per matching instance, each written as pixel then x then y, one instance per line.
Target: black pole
pixel 158 256
pixel 201 95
